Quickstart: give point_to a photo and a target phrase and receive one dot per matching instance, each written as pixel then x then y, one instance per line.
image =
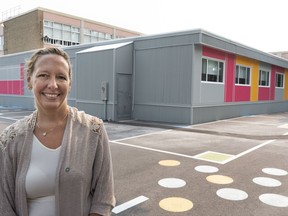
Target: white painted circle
pixel 267 182
pixel 275 171
pixel 274 200
pixel 172 183
pixel 232 194
pixel 206 169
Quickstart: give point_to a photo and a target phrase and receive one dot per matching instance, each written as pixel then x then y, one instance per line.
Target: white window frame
pixel 218 79
pixel 276 80
pixel 261 72
pixel 237 77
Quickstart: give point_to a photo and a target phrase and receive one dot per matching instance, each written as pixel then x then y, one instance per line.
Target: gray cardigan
pixel 84 181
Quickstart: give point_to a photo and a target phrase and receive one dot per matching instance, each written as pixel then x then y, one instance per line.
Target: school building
pixel 186 77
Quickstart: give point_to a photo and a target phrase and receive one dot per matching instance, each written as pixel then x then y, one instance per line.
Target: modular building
pixel 184 77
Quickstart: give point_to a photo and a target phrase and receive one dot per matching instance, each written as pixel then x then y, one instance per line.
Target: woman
pixel 56 161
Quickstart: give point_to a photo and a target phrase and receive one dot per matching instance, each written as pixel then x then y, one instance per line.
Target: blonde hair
pixel 45 51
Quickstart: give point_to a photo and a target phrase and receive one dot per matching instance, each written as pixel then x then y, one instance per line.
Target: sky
pixel 260 24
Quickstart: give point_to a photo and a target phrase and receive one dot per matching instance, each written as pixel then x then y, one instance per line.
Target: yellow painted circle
pixel 219 179
pixel 176 204
pixel 169 163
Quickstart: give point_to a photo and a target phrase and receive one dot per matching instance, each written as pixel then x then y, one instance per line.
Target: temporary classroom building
pixel 184 77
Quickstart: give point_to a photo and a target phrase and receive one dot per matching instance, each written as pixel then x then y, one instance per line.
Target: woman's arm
pixel 103 199
pixel 7 180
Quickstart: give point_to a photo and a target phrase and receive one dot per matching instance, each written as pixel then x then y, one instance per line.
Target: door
pixel 124 96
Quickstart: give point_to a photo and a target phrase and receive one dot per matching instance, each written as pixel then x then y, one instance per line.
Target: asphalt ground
pixel 233 167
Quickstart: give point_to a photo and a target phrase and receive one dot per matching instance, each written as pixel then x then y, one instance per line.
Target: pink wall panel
pixel 15 87
pixel 22 69
pixel 264 93
pixel 272 84
pixel 9 87
pixel 242 93
pixel 213 53
pixel 3 87
pixel 230 77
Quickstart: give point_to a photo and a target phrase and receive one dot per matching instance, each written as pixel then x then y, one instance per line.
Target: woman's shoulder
pixel 93 122
pixel 15 130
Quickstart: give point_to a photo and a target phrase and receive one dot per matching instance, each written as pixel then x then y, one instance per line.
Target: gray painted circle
pixel 274 200
pixel 232 194
pixel 275 171
pixel 206 169
pixel 172 183
pixel 267 182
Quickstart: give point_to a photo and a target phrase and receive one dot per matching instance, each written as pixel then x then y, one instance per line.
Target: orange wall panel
pixel 254 74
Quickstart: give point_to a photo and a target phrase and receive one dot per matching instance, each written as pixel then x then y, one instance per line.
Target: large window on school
pixel 242 76
pixel 212 70
pixel 264 78
pixel 61 34
pixel 93 36
pixel 279 80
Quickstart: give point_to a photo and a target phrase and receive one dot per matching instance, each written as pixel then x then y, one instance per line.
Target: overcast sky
pixel 260 24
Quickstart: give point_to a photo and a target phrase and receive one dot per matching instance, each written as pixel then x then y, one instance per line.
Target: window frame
pixel 260 76
pixel 249 77
pixel 220 79
pixel 276 80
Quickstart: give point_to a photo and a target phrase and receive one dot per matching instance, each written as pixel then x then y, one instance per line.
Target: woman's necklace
pixel 44 133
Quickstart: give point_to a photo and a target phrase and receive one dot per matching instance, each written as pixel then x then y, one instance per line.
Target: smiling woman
pixel 64 166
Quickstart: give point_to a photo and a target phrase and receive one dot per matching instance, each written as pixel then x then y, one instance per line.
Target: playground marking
pixel 129 204
pixel 215 157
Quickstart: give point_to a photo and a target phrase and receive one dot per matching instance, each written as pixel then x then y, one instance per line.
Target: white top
pixel 40 179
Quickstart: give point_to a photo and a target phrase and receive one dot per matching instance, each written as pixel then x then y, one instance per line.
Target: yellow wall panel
pixel 254 74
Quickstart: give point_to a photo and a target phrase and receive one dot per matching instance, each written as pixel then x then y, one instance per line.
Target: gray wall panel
pixel 212 93
pixel 186 38
pixel 196 75
pixel 160 113
pixel 124 59
pixel 203 114
pixel 163 75
pixel 279 94
pixel 92 69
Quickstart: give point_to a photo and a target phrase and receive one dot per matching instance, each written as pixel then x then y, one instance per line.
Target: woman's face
pixel 50 82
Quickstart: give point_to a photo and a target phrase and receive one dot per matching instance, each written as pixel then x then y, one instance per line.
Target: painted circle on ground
pixel 176 204
pixel 169 163
pixel 232 194
pixel 172 183
pixel 267 182
pixel 275 171
pixel 206 169
pixel 219 179
pixel 274 200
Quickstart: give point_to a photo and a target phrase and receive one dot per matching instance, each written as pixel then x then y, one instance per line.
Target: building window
pixel 57 33
pixel 94 36
pixel 212 71
pixel 279 80
pixel 264 78
pixel 242 76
